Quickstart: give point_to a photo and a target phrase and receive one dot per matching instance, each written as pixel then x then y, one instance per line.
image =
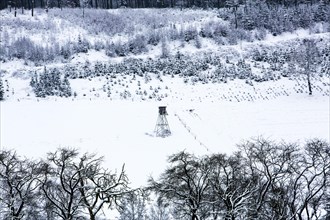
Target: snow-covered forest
pixel 253 42
pixel 247 89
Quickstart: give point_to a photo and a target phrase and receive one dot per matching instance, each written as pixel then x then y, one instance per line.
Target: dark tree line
pixel 66 185
pixel 108 4
pixel 263 180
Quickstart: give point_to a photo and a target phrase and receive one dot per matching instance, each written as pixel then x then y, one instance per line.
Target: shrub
pixel 154 38
pixel 137 45
pixel 190 33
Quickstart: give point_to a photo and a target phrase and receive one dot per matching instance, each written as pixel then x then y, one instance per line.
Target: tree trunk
pixel 308 71
pixel 91 214
pixel 194 215
pixel 309 83
pixel 32 11
pixel 15 8
pixel 22 5
pixel 235 12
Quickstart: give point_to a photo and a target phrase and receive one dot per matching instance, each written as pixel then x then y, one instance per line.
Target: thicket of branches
pixel 66 185
pixel 262 180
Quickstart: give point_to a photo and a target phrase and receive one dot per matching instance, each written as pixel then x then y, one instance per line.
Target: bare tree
pixel 290 181
pixel 184 185
pixel 307 57
pixel 311 178
pixel 232 188
pixel 61 183
pixel 98 186
pixel 269 165
pixel 18 186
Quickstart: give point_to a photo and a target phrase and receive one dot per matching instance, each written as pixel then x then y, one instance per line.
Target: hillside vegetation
pixel 255 42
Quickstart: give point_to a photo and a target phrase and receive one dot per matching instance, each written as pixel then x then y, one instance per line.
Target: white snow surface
pixel 204 118
pixel 122 130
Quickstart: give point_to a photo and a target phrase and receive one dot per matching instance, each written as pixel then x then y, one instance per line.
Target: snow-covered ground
pixel 122 131
pixel 204 118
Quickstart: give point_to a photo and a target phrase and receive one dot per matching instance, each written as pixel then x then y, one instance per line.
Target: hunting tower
pixel 162 128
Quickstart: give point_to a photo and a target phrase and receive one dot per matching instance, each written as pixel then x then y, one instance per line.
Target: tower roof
pixel 162 110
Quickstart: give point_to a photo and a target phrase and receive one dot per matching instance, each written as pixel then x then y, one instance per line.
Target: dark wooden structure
pixel 162 128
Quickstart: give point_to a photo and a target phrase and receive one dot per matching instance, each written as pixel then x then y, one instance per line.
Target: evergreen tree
pixel 82 45
pixel 165 53
pixel 66 88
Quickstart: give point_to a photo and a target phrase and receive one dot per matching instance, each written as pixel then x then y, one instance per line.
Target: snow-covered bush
pixel 165 53
pixel 50 83
pixel 81 46
pixel 2 91
pixel 154 38
pixel 190 33
pixel 66 50
pixel 138 44
pixel 99 45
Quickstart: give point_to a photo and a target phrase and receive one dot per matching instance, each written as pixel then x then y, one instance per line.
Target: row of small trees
pixel 263 180
pixel 311 59
pixel 24 48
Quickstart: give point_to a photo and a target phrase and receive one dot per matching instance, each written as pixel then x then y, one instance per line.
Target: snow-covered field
pixel 203 117
pixel 122 131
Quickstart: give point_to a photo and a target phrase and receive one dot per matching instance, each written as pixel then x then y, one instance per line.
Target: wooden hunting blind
pixel 162 128
pixel 162 110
